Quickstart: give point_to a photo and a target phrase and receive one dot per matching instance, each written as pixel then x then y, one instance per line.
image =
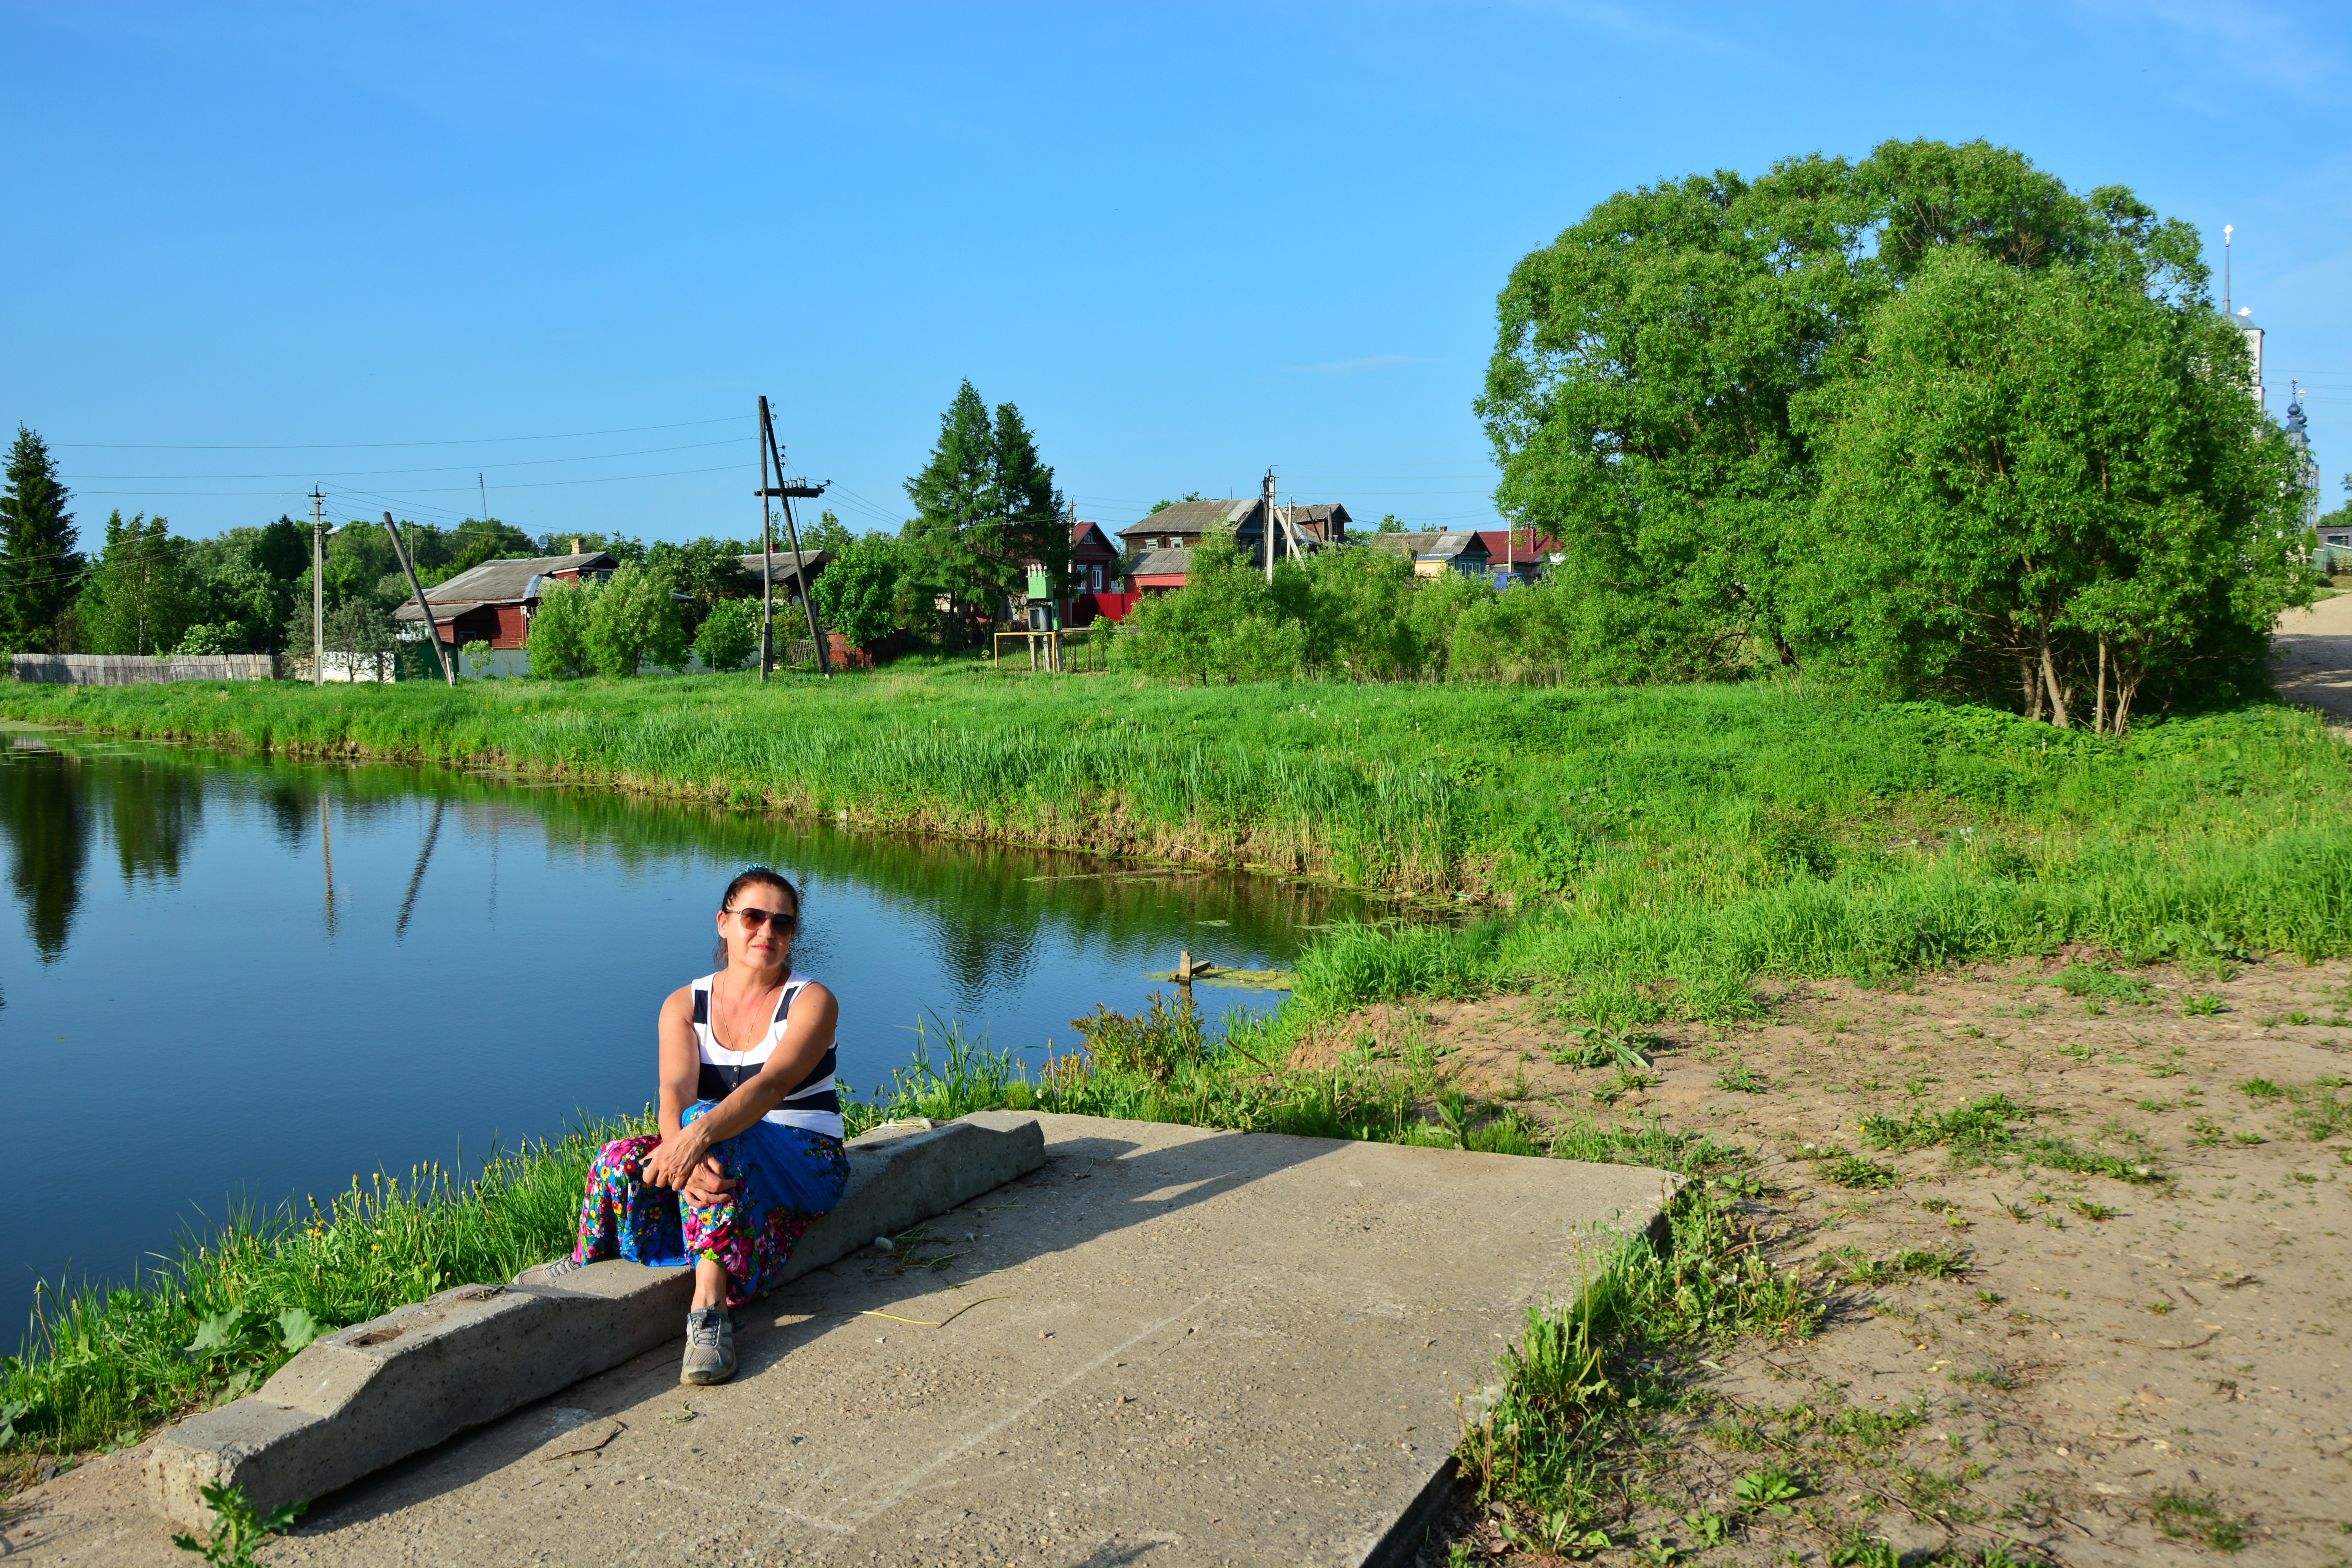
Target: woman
pixel 750 1150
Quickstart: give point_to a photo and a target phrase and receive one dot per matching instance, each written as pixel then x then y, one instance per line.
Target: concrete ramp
pixel 1165 1346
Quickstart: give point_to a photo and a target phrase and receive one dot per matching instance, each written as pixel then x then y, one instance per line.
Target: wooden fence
pixel 132 670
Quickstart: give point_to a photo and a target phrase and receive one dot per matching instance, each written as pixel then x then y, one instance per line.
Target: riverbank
pixel 1710 832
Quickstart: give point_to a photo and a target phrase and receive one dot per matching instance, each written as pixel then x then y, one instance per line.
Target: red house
pixel 492 602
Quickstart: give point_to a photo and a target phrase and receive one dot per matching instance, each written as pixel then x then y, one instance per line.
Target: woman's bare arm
pixel 807 1033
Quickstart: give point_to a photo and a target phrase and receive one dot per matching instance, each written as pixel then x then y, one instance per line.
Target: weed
pixel 2080 1053
pixel 237 1527
pixel 2093 1211
pixel 1742 1078
pixel 1709 1528
pixel 1914 1265
pixel 1772 1490
pixel 2160 1307
pixel 2082 980
pixel 2187 1516
pixel 1855 1549
pixel 2249 1138
pixel 2260 1089
pixel 2203 1004
pixel 1599 1048
pixel 1853 1171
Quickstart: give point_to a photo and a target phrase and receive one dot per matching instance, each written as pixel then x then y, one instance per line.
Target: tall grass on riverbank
pixel 101 1365
pixel 1603 803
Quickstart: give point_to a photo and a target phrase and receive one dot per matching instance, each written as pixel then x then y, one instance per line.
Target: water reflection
pixel 305 970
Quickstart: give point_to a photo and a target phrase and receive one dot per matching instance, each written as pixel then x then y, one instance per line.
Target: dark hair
pixel 744 879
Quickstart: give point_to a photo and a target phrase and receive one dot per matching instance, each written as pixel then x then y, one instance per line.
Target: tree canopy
pixel 1676 375
pixel 985 507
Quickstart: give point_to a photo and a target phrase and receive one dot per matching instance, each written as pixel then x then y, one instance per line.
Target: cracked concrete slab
pixel 1166 1345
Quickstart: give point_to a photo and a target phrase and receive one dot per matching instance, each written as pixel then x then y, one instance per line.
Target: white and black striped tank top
pixel 815 1105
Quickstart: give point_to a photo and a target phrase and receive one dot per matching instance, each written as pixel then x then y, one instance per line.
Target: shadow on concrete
pixel 1044 1211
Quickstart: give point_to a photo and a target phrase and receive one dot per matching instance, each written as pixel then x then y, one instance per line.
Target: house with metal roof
pixel 1434 554
pixel 789 569
pixel 493 602
pixel 1160 548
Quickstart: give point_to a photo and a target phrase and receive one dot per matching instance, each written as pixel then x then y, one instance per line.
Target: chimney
pixel 575 548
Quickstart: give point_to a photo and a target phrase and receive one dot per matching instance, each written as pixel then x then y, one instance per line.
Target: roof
pixel 1427 546
pixel 499 582
pixel 1160 562
pixel 1192 517
pixel 1078 532
pixel 1317 512
pixel 1496 546
pixel 788 565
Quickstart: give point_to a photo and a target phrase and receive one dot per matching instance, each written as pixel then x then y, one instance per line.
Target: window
pixel 1096 576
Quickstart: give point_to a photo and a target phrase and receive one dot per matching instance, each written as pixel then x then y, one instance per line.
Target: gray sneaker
pixel 709 1346
pixel 550 1272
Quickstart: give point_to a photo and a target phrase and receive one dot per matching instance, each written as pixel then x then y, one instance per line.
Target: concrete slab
pixel 366 1396
pixel 1167 1346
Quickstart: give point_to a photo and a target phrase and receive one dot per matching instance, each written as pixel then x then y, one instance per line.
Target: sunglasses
pixel 755 918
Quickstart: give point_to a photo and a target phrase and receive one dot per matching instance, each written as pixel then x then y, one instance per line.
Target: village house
pixel 1160 548
pixel 788 568
pixel 1434 554
pixel 493 603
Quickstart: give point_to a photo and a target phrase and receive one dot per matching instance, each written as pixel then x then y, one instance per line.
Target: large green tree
pixel 2047 481
pixel 39 567
pixel 985 509
pixel 136 599
pixel 1647 363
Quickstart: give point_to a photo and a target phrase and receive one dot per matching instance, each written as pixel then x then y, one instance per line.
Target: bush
pixel 632 619
pixel 730 635
pixel 558 643
pixel 857 593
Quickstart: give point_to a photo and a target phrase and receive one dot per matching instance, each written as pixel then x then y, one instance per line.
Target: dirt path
pixel 2102 1370
pixel 2311 661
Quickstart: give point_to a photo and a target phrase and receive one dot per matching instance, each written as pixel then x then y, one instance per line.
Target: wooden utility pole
pixel 1265 495
pixel 774 453
pixel 318 588
pixel 767 550
pixel 431 628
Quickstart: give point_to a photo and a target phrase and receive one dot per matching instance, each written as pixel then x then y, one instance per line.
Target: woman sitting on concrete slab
pixel 750 1150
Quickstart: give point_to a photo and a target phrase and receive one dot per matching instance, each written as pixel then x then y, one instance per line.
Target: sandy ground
pixel 2107 1359
pixel 2310 658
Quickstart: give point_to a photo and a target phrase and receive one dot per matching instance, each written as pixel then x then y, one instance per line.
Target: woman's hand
pixel 709 1183
pixel 676 1163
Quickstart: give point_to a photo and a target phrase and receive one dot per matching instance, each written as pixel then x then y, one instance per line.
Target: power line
pixel 440 468
pixel 371 445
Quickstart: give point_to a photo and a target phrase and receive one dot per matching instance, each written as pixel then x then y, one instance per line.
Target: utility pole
pixel 767 549
pixel 485 488
pixel 318 587
pixel 432 628
pixel 2227 230
pixel 784 493
pixel 1265 495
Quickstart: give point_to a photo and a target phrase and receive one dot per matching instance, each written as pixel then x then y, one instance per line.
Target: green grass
pixel 1695 835
pixel 102 1365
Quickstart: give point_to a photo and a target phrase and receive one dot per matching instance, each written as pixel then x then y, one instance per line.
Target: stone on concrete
pixel 365 1397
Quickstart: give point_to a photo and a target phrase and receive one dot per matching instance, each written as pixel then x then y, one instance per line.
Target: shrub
pixel 632 619
pixel 857 593
pixel 730 635
pixel 558 643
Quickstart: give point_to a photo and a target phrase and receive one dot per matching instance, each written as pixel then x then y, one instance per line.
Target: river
pixel 239 979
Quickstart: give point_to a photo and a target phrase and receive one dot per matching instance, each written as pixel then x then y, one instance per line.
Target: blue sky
pixel 388 248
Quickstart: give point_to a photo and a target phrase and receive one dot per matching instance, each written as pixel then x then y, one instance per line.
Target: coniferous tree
pixel 985 507
pixel 39 568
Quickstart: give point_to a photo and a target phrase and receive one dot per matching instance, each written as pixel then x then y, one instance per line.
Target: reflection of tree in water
pixel 153 804
pixel 985 910
pixel 46 814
